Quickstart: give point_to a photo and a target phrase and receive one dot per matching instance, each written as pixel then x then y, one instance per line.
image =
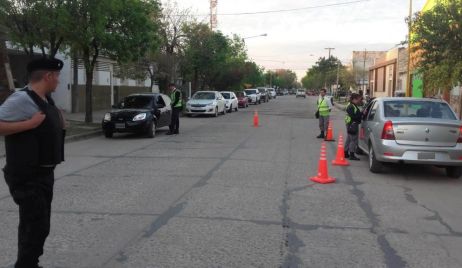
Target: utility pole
pixel 213 14
pixel 325 78
pixel 338 76
pixel 365 72
pixel 330 49
pixel 409 82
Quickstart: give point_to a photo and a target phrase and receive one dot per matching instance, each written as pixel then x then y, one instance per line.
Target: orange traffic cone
pixel 340 159
pixel 256 119
pixel 323 173
pixel 330 132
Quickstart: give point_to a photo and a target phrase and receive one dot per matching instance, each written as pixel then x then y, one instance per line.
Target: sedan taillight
pixel 388 133
pixel 459 140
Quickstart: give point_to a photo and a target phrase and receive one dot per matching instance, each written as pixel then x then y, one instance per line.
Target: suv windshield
pixel 418 109
pixel 136 102
pixel 204 96
pixel 226 95
pixel 251 91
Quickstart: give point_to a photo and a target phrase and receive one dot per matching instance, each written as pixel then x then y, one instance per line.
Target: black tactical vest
pixel 42 146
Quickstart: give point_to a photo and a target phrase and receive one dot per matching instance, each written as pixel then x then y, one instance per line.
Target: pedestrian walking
pixel 323 113
pixel 352 121
pixel 34 140
pixel 177 107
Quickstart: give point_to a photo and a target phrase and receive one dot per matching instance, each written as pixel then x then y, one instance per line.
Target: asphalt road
pixel 225 194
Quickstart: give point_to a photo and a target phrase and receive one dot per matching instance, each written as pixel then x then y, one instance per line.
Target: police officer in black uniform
pixel 34 141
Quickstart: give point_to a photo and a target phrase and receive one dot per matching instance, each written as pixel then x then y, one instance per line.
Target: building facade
pixel 362 61
pixel 387 78
pixel 107 88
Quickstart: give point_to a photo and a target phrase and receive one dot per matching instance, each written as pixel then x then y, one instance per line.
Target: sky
pixel 297 39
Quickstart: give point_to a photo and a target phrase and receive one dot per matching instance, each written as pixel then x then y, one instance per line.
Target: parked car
pixel 207 103
pixel 412 131
pixel 301 93
pixel 138 113
pixel 291 91
pixel 272 93
pixel 254 96
pixel 264 94
pixel 231 101
pixel 280 92
pixel 286 92
pixel 243 100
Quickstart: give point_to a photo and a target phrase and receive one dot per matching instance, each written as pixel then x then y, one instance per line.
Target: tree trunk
pixel 75 82
pixel 89 96
pixel 6 85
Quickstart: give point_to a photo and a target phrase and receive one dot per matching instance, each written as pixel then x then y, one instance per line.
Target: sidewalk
pixel 80 117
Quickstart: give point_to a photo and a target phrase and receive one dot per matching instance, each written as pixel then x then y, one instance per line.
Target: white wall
pixel 62 95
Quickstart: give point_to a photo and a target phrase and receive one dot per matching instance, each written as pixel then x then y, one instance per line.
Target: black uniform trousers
pixel 175 123
pixel 33 194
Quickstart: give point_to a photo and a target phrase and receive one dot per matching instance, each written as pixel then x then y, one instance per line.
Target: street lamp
pixel 255 36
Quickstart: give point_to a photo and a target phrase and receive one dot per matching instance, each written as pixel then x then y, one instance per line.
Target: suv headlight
pixel 139 117
pixel 107 117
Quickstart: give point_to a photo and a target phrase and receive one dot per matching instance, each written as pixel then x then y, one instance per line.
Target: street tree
pixel 437 38
pixel 33 24
pixel 105 28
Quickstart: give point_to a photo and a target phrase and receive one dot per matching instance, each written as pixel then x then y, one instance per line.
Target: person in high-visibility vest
pixel 352 121
pixel 324 108
pixel 177 107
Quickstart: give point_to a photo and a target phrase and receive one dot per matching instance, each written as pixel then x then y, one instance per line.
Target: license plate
pixel 120 125
pixel 425 156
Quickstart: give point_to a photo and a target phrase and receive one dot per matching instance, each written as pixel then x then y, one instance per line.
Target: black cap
pixel 44 64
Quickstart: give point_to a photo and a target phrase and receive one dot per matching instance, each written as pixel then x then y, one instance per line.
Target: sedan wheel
pixel 374 165
pixel 151 132
pixel 108 134
pixel 454 172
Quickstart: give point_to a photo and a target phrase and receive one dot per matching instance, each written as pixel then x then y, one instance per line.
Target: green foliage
pixel 437 39
pixel 215 61
pixel 36 23
pixel 281 78
pixel 324 73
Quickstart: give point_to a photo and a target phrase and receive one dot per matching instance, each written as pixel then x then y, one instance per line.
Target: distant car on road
pixel 231 101
pixel 291 91
pixel 254 96
pixel 138 113
pixel 272 93
pixel 301 93
pixel 206 103
pixel 280 92
pixel 412 131
pixel 243 100
pixel 264 94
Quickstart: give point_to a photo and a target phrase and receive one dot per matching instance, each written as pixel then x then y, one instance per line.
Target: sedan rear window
pixel 418 109
pixel 253 91
pixel 204 96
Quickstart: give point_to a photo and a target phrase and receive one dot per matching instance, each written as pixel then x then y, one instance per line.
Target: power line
pixel 281 10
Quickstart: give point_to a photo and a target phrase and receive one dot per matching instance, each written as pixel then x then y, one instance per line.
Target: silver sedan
pixel 412 131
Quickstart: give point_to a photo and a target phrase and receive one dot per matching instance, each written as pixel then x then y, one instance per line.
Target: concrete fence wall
pixel 102 96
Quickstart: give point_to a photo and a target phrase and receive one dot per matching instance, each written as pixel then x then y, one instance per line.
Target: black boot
pixel 321 136
pixel 353 157
pixel 347 154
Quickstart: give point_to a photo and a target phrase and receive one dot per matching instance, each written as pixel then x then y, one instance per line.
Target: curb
pixel 83 136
